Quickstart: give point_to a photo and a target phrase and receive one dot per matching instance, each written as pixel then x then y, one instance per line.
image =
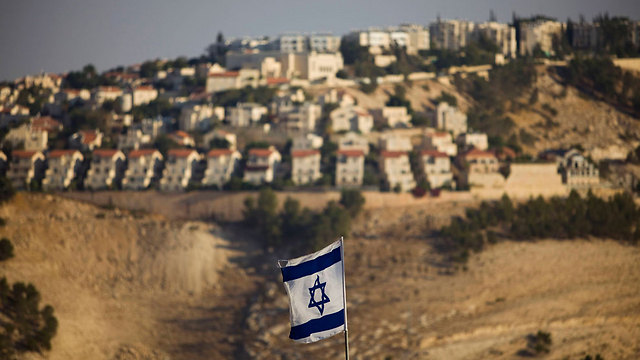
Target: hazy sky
pixel 64 35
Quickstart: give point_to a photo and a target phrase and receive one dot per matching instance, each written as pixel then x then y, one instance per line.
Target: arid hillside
pixel 137 286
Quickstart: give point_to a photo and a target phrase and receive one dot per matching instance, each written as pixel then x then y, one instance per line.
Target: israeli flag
pixel 316 289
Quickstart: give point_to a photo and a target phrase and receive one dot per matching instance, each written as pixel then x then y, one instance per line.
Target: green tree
pixel 6 249
pixel 352 200
pixel 24 327
pixel 6 190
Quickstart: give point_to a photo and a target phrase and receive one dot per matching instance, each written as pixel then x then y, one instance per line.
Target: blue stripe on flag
pixel 324 323
pixel 312 266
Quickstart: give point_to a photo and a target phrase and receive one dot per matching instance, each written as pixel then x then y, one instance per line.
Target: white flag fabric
pixel 315 285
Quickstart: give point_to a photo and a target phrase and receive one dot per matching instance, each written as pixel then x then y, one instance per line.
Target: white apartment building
pixel 261 165
pixel 143 95
pixel 25 166
pixel 245 114
pixel 63 167
pixel 480 169
pixel 143 168
pixel 221 165
pixel 418 38
pixel 324 43
pixel 232 80
pixel 449 118
pixel 441 141
pixel 392 116
pixel 293 43
pixel 351 118
pixel 436 167
pixel 450 34
pixel 349 167
pixel 181 168
pixel 106 169
pixel 311 65
pixel 538 32
pixel 303 117
pixel 503 35
pixel 479 141
pixel 396 169
pixel 305 166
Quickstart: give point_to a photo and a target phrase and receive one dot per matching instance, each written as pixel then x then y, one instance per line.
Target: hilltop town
pixel 384 109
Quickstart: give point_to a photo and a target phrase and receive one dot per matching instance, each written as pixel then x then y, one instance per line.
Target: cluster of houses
pixel 440 161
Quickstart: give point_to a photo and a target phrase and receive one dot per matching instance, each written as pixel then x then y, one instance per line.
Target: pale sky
pixel 64 35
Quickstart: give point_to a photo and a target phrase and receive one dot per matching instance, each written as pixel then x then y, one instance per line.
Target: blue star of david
pixel 323 299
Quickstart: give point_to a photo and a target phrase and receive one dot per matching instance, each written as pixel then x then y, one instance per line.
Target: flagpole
pixel 344 302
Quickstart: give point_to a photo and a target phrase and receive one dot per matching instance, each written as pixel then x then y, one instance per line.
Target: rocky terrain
pixel 129 285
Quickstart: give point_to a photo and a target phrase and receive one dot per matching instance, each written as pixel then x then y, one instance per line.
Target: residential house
pixel 86 140
pixel 182 138
pixel 441 141
pixel 392 142
pixel 181 169
pixel 351 118
pixel 349 167
pixel 28 137
pixel 396 169
pixel 578 172
pixel 26 167
pixel 106 93
pixel 106 169
pixel 449 118
pixel 436 167
pixel 46 123
pixel 245 114
pixel 232 80
pixel 199 117
pixel 307 141
pixel 479 141
pixel 63 168
pixel 305 166
pixel 261 165
pixel 217 134
pixel 353 141
pixel 480 169
pixel 221 165
pixel 144 168
pixel 392 116
pixel 503 35
pixel 133 139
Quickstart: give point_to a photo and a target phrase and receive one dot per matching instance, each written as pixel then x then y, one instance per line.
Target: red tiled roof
pixel 88 136
pixel 260 152
pixel 304 153
pixel 59 153
pixel 392 154
pixel 145 88
pixel 46 123
pixel 276 81
pixel 181 153
pixel 23 154
pixel 141 152
pixel 438 134
pixel 475 153
pixel 351 153
pixel 180 133
pixel 433 153
pixel 105 152
pixel 225 74
pixel 219 152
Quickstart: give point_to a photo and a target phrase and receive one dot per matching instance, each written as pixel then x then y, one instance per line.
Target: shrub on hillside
pixel 6 249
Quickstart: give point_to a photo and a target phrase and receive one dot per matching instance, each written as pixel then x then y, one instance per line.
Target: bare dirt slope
pixel 126 287
pixel 143 287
